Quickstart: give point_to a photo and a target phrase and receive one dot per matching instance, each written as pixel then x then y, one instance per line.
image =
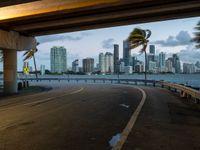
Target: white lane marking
pixel 131 123
pixel 48 99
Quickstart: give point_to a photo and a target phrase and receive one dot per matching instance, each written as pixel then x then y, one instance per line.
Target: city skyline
pixel 171 36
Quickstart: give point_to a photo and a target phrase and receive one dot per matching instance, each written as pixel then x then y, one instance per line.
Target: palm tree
pixel 197 35
pixel 139 37
pixel 31 54
pixel 1 55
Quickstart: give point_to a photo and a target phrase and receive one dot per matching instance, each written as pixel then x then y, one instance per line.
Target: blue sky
pixel 169 36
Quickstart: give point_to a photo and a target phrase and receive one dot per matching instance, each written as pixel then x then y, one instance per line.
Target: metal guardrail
pixel 118 80
pixel 184 91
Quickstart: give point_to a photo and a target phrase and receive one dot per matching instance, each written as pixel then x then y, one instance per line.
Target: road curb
pixel 131 123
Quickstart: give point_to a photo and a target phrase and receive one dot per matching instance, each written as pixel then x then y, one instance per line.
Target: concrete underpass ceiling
pixel 44 17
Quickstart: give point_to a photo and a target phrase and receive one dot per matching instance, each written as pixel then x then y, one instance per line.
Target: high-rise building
pixel 188 68
pixel 197 64
pixel 58 59
pixel 42 69
pixel 176 63
pixel 128 69
pixel 139 67
pixel 134 61
pixel 75 67
pixel 88 65
pixel 102 63
pixel 169 66
pixel 152 49
pixel 116 58
pixel 109 63
pixel 126 53
pixel 152 67
pixel 121 66
pixel 161 62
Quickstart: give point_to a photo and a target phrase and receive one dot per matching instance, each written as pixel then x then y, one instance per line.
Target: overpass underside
pixel 23 20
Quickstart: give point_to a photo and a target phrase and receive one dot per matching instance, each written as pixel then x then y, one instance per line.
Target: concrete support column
pixel 10 71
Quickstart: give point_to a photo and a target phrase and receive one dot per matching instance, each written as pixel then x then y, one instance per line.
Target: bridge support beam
pixel 10 43
pixel 10 71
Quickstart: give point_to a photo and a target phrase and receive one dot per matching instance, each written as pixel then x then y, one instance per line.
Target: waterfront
pixel 188 79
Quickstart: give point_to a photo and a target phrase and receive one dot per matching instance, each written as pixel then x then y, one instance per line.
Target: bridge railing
pixel 183 90
pixel 103 80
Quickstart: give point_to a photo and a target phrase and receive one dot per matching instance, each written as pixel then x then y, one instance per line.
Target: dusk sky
pixel 168 36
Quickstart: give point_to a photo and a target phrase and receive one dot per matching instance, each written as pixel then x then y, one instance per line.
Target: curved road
pixel 86 117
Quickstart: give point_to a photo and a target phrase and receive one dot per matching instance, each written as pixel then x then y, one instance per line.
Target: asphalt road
pixel 86 117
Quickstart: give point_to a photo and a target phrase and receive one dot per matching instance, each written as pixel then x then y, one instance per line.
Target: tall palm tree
pixel 139 37
pixel 31 54
pixel 197 35
pixel 1 55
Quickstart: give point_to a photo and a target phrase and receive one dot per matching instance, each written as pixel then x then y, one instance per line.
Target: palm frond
pixel 29 54
pixel 196 39
pixel 148 33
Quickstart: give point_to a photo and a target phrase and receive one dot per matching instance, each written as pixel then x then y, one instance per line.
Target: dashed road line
pixel 51 98
pixel 131 123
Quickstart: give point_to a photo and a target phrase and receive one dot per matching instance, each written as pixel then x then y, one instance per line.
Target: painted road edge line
pixel 48 99
pixel 131 123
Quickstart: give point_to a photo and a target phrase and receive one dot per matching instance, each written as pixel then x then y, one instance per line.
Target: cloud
pixel 61 37
pixel 189 55
pixel 181 39
pixel 108 43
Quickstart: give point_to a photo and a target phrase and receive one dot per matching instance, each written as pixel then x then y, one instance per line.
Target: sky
pixel 171 36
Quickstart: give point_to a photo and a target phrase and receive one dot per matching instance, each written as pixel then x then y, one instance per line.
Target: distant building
pixel 116 58
pixel 139 67
pixel 152 67
pixel 162 62
pixel 152 49
pixel 75 66
pixel 197 64
pixel 121 66
pixel 30 69
pixel 176 63
pixel 58 59
pixel 128 69
pixel 126 53
pixel 102 63
pixel 42 69
pixel 188 68
pixel 168 65
pixel 133 62
pixel 109 63
pixel 88 65
pixel 150 57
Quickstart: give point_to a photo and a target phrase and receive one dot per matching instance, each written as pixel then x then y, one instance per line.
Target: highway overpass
pixel 21 21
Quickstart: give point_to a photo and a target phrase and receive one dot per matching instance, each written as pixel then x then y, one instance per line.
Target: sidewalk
pixel 165 123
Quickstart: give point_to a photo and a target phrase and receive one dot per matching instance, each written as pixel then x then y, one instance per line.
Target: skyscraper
pixel 126 53
pixel 116 58
pixel 169 65
pixel 88 65
pixel 42 69
pixel 152 49
pixel 75 67
pixel 109 63
pixel 176 63
pixel 102 63
pixel 151 55
pixel 58 59
pixel 162 62
pixel 188 68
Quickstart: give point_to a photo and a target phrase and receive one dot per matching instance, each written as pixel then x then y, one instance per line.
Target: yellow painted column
pixel 10 71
